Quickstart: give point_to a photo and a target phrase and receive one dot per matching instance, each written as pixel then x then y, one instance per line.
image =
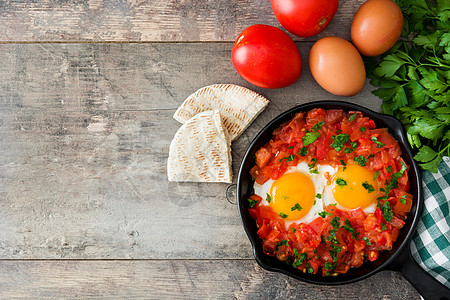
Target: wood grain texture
pixel 146 20
pixel 84 138
pixel 222 279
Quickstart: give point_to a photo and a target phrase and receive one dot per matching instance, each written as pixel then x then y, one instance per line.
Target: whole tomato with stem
pixel 266 57
pixel 304 18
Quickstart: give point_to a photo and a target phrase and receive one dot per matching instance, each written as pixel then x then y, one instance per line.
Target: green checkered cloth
pixel 431 242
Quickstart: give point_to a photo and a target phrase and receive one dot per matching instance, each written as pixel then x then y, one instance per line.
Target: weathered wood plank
pixel 145 20
pixel 163 279
pixel 84 136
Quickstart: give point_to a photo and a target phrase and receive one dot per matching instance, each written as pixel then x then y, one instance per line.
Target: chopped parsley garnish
pixel 289 158
pixel 352 117
pixel 314 202
pixel 368 187
pixel 303 151
pixel 284 216
pixel 335 252
pixel 393 184
pixel 252 203
pixel 310 138
pixel 340 141
pixel 313 162
pixel 319 196
pixel 268 198
pixel 301 257
pixel 341 182
pixel 313 171
pixel 375 176
pixel 366 239
pixel 387 211
pixel 335 222
pixel 290 147
pixel 283 242
pixel 354 145
pixel 295 251
pixel 379 144
pixel 342 162
pixel 318 126
pixel 350 229
pixel 361 160
pixel 383 227
pixel 389 169
pixel 309 269
pixel 296 207
pixel 324 214
pixel 362 129
pixel 294 230
pixel 403 199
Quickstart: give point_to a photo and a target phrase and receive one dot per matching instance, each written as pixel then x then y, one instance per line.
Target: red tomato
pixel 304 18
pixel 267 57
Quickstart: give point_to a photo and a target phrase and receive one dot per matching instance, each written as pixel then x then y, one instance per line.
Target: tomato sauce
pixel 337 240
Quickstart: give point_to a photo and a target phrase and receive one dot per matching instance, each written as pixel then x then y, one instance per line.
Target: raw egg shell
pixel 376 27
pixel 337 66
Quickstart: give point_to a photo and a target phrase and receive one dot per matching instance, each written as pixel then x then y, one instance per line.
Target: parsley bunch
pixel 414 79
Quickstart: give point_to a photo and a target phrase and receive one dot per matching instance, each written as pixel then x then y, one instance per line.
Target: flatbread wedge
pixel 200 150
pixel 237 105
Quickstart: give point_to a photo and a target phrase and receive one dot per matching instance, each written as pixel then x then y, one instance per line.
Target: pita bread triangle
pixel 200 150
pixel 237 105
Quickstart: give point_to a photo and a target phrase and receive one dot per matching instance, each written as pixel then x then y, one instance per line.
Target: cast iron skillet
pixel 398 259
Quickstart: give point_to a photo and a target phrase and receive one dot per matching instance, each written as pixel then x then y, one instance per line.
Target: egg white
pixel 319 181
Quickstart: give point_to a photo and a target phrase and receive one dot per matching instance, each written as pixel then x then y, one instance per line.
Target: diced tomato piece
pixel 263 231
pixel 262 157
pixel 357 134
pixel 323 145
pixel 334 115
pixel 273 235
pixel 399 206
pixel 317 225
pixel 372 255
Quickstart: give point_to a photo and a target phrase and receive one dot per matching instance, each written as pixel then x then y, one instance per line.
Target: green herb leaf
pixel 252 203
pixel 282 242
pixel 341 182
pixel 350 229
pixel 289 158
pixel 368 187
pixel 324 214
pixel 268 198
pixel 313 162
pixel 296 207
pixel 389 169
pixel 313 171
pixel 379 144
pixel 335 222
pixel 319 196
pixel 290 147
pixel 362 129
pixel 303 151
pixel 361 160
pixel 366 239
pixel 309 269
pixel 317 126
pixel 352 117
pixel 310 138
pixel 383 227
pixel 284 216
pixel 403 199
pixel 340 141
pixel 387 211
pixel 375 175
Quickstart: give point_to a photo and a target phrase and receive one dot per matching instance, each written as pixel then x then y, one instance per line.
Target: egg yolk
pixel 292 195
pixel 354 187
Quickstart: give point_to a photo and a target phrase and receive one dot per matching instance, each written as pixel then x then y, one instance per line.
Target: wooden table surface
pixel 87 93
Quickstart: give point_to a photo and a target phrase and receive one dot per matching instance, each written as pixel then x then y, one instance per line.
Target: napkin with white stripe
pixel 431 242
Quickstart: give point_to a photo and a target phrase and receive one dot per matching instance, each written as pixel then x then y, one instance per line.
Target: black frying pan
pixel 398 259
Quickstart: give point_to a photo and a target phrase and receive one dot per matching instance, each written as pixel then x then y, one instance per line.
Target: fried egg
pixel 351 187
pixel 297 195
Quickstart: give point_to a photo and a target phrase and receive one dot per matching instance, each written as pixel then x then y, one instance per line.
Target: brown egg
pixel 376 27
pixel 337 66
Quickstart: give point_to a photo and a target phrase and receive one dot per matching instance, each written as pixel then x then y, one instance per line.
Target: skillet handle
pixel 427 286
